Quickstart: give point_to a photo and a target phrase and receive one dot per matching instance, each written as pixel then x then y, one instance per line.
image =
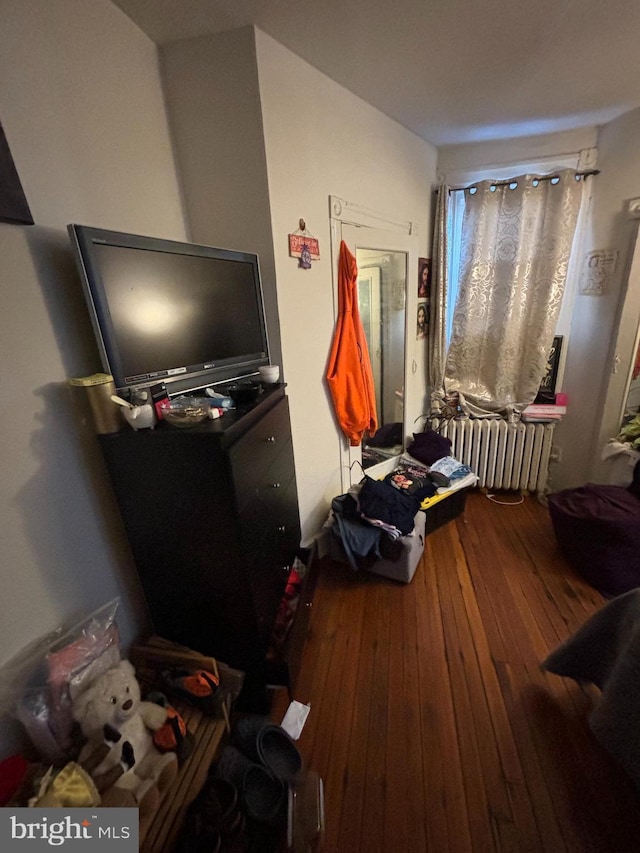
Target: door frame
pixel 393 235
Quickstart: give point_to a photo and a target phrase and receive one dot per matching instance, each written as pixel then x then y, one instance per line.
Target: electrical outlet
pixel 556 454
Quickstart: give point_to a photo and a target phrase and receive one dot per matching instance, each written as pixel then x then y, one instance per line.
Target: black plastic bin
pixel 444 511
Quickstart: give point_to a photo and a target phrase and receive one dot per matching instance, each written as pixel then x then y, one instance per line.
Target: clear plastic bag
pixel 33 712
pixel 38 684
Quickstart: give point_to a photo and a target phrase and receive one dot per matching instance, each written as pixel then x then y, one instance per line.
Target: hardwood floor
pixel 431 723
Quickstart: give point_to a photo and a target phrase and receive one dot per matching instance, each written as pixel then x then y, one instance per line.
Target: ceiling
pixel 452 71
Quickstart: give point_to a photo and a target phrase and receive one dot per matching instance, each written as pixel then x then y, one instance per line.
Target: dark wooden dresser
pixel 211 515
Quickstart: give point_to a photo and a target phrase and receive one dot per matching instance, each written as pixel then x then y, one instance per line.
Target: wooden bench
pixel 160 833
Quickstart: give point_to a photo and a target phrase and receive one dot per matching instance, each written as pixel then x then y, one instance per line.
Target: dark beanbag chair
pixel 598 531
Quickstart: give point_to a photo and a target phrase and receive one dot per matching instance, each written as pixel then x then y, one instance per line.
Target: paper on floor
pixel 295 718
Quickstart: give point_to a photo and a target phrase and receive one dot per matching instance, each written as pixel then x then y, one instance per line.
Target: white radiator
pixel 503 455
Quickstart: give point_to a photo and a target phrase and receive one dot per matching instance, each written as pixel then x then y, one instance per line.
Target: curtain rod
pixel 583 174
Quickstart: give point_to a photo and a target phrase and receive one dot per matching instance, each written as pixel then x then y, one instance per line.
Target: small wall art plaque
pixel 597 270
pixel 299 243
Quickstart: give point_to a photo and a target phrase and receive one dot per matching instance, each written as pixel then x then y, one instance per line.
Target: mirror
pixel 628 438
pixel 620 379
pixel 382 288
pixel 632 401
pixel 387 259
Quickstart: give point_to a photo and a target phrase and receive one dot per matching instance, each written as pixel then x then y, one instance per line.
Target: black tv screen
pixel 164 311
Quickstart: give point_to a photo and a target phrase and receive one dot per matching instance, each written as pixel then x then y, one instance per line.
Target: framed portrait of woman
pixel 422 321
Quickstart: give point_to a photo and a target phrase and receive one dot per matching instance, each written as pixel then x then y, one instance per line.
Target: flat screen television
pixel 188 315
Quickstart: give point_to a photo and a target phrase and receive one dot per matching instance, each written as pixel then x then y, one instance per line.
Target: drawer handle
pixel 275 485
pixel 271 438
pixel 281 528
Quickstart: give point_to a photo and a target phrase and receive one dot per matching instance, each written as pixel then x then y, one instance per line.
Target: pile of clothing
pixel 367 522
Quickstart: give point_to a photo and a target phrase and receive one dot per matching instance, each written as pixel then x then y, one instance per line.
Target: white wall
pixel 455 159
pixel 211 88
pixel 321 140
pixel 596 318
pixel 82 107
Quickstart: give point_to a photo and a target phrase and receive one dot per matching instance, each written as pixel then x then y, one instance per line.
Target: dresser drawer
pixel 253 454
pixel 270 557
pixel 267 589
pixel 277 534
pixel 270 496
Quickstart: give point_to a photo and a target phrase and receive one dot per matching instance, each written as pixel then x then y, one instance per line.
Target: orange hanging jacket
pixel 349 373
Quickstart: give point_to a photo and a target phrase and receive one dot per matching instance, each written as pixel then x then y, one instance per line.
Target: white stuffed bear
pixel 110 711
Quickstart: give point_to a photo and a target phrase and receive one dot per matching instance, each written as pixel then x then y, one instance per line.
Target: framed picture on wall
pixel 422 321
pixel 424 278
pixel 547 390
pixel 13 202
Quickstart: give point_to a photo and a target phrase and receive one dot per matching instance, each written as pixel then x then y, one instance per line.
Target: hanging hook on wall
pixel 302 229
pixel 356 462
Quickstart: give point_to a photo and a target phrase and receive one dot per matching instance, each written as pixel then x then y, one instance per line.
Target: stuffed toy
pixel 72 786
pixel 118 726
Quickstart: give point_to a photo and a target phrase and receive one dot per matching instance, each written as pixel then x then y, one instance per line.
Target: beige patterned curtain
pixel 437 341
pixel 516 242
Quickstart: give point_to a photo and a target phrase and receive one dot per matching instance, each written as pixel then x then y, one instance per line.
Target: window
pixel 456 217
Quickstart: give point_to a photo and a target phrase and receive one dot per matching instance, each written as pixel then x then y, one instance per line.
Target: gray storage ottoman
pixel 403 569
